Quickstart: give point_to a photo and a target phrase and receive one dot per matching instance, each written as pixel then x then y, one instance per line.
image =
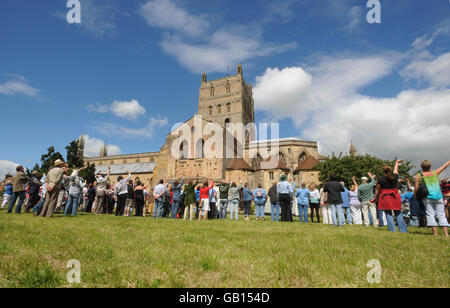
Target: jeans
pixel 348 215
pixel 223 209
pixel 303 213
pixel 248 206
pixel 159 208
pixel 275 211
pixel 17 195
pixel 380 217
pixel 38 207
pixel 234 208
pixel 260 206
pixel 400 222
pixel 72 204
pixel 175 207
pixel 340 215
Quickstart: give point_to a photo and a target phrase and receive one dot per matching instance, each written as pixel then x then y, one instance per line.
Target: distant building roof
pixel 133 168
pixel 271 164
pixel 308 164
pixel 238 164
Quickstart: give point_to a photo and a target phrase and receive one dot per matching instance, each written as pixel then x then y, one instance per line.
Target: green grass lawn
pixel 143 252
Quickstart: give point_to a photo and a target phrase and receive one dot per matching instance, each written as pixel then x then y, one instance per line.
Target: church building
pixel 222 103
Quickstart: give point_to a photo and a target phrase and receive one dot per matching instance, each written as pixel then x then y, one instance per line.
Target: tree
pixel 76 162
pixel 73 159
pixel 89 173
pixel 345 167
pixel 49 159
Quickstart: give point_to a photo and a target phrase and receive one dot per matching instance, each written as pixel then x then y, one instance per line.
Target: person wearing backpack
pixel 33 191
pixel 434 200
pixel 223 196
pixel 260 198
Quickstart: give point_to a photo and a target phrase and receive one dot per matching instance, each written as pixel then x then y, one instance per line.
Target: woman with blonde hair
pixel 355 204
pixel 314 201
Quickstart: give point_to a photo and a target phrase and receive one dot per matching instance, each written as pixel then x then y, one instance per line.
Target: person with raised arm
pixel 434 201
pixel 190 207
pixel 176 197
pixel 355 204
pixel 120 193
pixel 204 199
pixel 389 199
pixel 140 198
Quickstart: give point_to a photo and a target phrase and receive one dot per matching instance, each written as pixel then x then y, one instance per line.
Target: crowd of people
pixel 389 200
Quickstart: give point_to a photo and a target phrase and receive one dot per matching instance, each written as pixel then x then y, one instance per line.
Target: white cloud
pixel 7 167
pixel 324 103
pixel 165 14
pixel 426 40
pixel 123 109
pixel 119 131
pixel 99 108
pixel 18 85
pixel 355 15
pixel 201 48
pixel 435 71
pixel 93 146
pixel 131 109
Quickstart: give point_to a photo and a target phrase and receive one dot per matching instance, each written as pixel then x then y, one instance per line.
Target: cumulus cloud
pixel 325 103
pixel 7 167
pixel 17 85
pixel 120 131
pixel 93 146
pixel 131 109
pixel 123 109
pixel 198 46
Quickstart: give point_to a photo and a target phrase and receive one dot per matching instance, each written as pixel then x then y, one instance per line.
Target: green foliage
pixel 345 167
pixel 88 173
pixel 73 159
pixel 49 159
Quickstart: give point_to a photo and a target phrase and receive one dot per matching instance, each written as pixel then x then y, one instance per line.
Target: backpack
pixel 259 194
pixel 422 192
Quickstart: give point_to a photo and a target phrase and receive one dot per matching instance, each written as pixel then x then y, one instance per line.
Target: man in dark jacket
pixel 33 191
pixel 224 187
pixel 20 180
pixel 334 189
pixel 274 204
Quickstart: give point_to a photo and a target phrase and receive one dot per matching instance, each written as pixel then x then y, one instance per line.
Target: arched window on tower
pixel 219 109
pixel 256 162
pixel 184 149
pixel 210 110
pixel 200 149
pixel 282 158
pixel 302 158
pixel 212 91
pixel 228 107
pixel 228 89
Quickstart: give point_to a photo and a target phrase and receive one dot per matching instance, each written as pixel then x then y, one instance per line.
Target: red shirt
pixel 204 192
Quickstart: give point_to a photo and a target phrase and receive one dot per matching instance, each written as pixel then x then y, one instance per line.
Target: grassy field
pixel 143 252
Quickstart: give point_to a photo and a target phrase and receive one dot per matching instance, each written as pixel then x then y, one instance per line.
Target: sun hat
pixel 283 177
pixel 364 178
pixel 58 163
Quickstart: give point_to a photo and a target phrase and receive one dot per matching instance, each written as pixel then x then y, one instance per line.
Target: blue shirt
pixel 197 194
pixel 302 195
pixel 284 188
pixel 264 195
pixel 177 190
pixel 247 192
pixel 9 190
pixel 345 198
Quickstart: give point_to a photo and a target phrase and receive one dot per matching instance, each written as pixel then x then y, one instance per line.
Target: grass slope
pixel 143 252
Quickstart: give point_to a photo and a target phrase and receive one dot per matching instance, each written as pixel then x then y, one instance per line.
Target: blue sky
pixel 384 86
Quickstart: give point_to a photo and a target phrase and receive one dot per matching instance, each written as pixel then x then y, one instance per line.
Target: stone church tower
pixel 227 100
